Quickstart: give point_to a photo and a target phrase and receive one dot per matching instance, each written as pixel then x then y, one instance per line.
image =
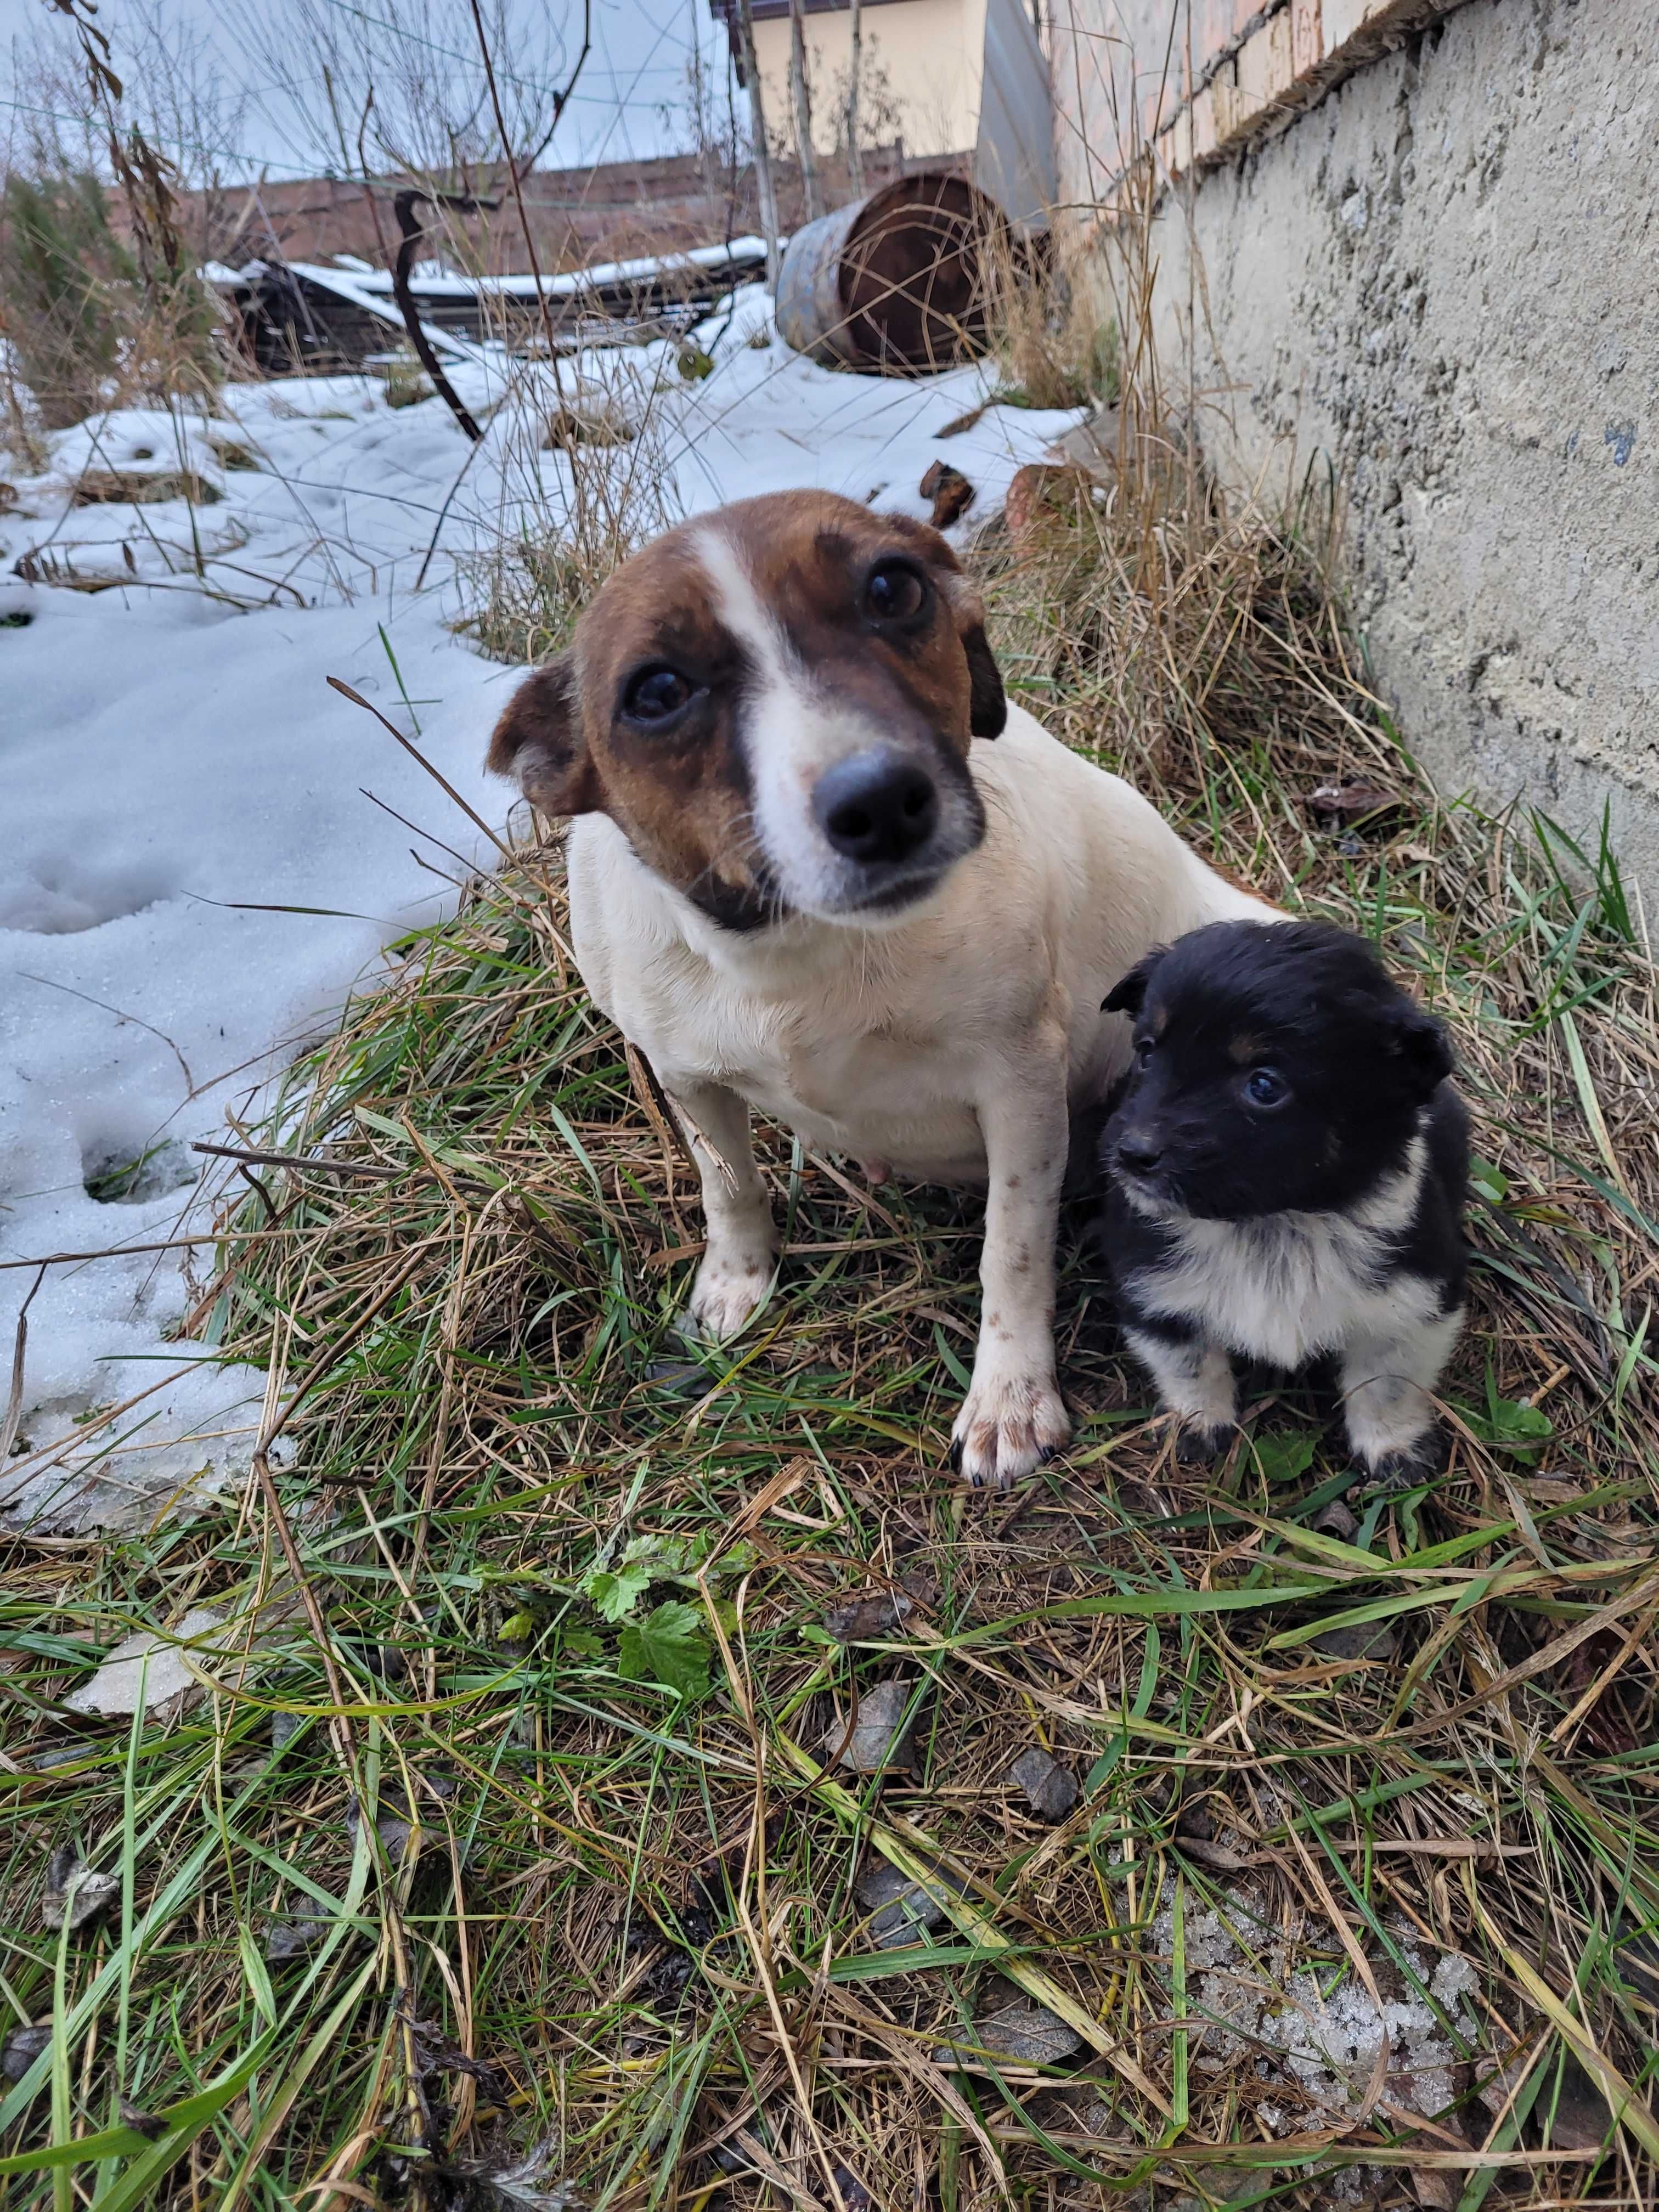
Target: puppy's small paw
pixel 1009 1424
pixel 728 1288
pixel 1198 1445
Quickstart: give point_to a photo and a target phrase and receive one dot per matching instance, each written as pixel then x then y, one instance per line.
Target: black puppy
pixel 1285 1170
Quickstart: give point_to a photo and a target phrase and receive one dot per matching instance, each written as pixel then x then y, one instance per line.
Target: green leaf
pixel 519 1627
pixel 1509 1425
pixel 669 1647
pixel 1491 1182
pixel 1283 1458
pixel 614 1594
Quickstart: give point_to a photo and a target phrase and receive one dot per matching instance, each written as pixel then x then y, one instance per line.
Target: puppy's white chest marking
pixel 1291 1285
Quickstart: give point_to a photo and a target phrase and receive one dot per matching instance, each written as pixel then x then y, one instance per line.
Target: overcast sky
pixel 636 69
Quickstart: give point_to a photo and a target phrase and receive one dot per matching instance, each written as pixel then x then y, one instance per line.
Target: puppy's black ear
pixel 1424 1049
pixel 987 703
pixel 538 742
pixel 1128 994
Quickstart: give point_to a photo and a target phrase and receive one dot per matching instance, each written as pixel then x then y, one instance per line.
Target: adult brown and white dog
pixel 820 867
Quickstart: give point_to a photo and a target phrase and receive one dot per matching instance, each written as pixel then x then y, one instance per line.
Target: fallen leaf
pixel 1359 1640
pixel 22 2047
pixel 284 1727
pixel 879 1735
pixel 1572 2111
pixel 1026 2034
pixel 854 2197
pixel 513 2181
pixel 875 1613
pixel 1434 2190
pixel 297 1933
pixel 152 1662
pixel 1344 806
pixel 394 1823
pixel 74 1895
pixel 143 2123
pixel 951 492
pixel 1050 1788
pixel 1222 1856
pixel 902 1911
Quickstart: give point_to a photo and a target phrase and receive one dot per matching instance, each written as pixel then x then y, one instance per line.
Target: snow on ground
pixel 173 767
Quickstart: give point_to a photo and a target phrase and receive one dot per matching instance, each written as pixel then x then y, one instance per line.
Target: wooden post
pixel 854 149
pixel 800 97
pixel 768 202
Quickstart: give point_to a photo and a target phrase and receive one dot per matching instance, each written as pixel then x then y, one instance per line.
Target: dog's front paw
pixel 1391 1472
pixel 730 1284
pixel 1009 1424
pixel 1198 1444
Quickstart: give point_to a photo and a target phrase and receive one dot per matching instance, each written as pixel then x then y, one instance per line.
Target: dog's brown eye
pixel 894 592
pixel 655 693
pixel 1143 1051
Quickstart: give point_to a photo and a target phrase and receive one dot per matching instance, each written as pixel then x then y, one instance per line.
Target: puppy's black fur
pixel 1285 1172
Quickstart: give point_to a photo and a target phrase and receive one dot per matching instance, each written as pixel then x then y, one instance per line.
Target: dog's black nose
pixel 877 806
pixel 1139 1152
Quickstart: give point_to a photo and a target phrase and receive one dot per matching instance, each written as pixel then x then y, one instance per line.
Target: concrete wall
pixel 1443 275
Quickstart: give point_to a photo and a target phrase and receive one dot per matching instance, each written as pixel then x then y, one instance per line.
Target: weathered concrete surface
pixel 1445 278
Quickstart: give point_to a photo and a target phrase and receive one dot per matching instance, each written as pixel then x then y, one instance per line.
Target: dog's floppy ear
pixel 1128 994
pixel 987 703
pixel 1424 1049
pixel 538 742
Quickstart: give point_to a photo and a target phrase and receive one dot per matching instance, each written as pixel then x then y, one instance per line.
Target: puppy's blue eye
pixel 1143 1051
pixel 1263 1088
pixel 894 592
pixel 655 693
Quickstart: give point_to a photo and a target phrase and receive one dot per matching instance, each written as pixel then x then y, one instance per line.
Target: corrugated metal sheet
pixel 1014 159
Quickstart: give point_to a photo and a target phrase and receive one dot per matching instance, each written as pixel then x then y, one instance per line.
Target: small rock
pixel 156 1660
pixel 1361 1639
pixel 879 1737
pixel 74 1896
pixel 1023 2033
pixel 951 492
pixel 1050 1788
pixel 284 1727
pixel 875 1613
pixel 902 1911
pixel 22 2047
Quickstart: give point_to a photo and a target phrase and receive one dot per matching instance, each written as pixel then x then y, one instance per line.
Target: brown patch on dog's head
pixel 725 667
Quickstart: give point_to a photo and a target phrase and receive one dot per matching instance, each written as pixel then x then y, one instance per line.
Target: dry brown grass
pixel 1367 1736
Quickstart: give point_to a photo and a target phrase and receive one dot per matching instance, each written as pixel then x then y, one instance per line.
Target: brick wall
pixel 576 216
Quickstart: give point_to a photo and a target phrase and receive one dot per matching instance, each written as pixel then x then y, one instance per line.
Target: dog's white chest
pixel 1281 1291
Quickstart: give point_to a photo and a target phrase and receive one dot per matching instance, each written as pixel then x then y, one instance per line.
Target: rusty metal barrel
pixel 897 282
